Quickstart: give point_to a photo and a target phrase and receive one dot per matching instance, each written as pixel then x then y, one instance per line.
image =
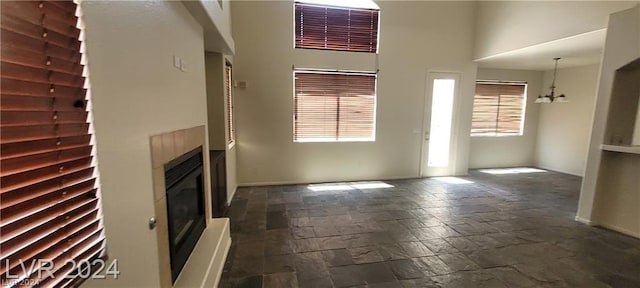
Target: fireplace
pixel 185 206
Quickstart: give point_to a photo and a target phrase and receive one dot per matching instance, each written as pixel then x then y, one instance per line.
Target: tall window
pixel 231 133
pixel 336 28
pixel 498 109
pixel 330 106
pixel 50 208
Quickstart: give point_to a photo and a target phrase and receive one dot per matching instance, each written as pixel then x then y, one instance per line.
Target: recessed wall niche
pixel 623 126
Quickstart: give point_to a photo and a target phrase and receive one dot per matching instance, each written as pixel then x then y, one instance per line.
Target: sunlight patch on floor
pixel 329 187
pixel 348 186
pixel 371 185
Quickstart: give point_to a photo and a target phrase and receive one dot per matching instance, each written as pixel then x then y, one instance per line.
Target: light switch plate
pixel 176 61
pixel 240 84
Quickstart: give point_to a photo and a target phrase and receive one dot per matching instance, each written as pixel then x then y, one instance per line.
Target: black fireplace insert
pixel 185 206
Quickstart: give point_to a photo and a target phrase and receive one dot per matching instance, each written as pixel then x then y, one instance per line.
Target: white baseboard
pixel 585 221
pixel 620 230
pixel 609 226
pixel 559 170
pixel 230 197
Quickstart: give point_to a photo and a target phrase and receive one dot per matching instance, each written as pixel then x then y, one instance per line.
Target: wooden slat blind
pixel 498 109
pixel 50 208
pixel 334 106
pixel 336 28
pixel 231 133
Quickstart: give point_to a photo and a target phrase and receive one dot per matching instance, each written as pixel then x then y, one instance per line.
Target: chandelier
pixel 550 98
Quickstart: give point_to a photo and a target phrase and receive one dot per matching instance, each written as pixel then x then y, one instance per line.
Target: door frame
pixel 426 121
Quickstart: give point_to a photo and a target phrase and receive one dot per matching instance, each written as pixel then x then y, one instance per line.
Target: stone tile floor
pixel 514 230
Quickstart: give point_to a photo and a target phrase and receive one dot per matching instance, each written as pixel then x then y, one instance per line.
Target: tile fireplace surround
pixel 196 272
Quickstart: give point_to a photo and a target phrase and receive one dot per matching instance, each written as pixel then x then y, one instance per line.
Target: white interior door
pixel 437 135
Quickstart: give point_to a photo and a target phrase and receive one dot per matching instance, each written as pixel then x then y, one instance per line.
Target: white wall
pixel 220 12
pixel 137 93
pixel 415 36
pixel 509 151
pixel 564 128
pixel 503 26
pixel 214 65
pixel 215 18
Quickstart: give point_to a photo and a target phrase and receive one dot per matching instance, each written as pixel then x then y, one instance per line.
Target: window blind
pixel 336 28
pixel 50 208
pixel 334 106
pixel 498 109
pixel 231 135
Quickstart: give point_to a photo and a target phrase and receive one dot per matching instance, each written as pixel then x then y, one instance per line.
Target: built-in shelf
pixel 622 149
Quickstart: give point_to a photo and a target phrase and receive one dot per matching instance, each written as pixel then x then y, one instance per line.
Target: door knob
pixel 152 223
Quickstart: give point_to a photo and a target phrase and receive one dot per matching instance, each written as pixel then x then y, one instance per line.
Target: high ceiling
pixel 578 50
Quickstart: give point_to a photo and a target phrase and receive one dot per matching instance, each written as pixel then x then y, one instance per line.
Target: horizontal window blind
pixel 336 28
pixel 50 207
pixel 334 106
pixel 231 133
pixel 498 109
